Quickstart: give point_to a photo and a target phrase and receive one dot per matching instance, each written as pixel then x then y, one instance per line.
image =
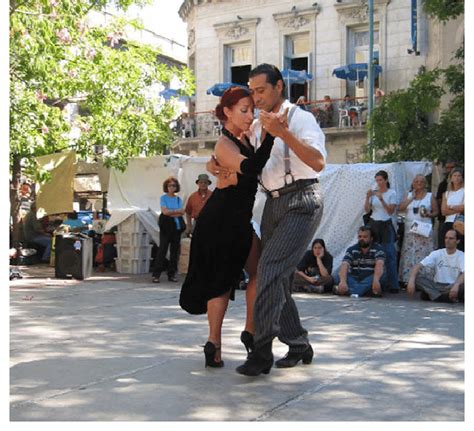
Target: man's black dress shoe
pixel 172 278
pixel 259 361
pixel 292 358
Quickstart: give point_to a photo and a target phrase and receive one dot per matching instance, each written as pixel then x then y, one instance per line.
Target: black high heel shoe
pixel 247 340
pixel 210 353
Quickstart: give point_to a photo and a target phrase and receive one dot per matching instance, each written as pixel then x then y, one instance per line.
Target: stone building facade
pixel 228 38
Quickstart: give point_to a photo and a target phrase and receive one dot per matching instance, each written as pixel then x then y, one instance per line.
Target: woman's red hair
pixel 230 98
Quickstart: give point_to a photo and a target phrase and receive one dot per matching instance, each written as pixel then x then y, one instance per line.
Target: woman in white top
pixel 420 206
pixel 452 204
pixel 383 203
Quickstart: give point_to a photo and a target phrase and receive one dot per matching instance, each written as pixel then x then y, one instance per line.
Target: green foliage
pixel 57 57
pixel 406 126
pixel 444 10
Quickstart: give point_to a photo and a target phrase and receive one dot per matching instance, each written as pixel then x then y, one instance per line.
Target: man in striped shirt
pixel 362 267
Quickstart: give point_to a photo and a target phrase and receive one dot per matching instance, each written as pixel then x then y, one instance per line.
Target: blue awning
pixel 170 92
pixel 355 71
pixel 219 88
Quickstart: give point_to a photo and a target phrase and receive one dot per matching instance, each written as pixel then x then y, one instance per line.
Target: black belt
pixel 293 187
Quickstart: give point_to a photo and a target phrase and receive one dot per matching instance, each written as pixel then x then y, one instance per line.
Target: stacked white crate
pixel 133 247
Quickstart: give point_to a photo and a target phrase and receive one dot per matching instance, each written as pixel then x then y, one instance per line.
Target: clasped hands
pixel 273 123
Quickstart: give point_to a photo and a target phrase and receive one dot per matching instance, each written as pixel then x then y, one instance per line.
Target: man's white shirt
pixel 304 126
pixel 447 267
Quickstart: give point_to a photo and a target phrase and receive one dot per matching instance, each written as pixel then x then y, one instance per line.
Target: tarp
pixel 138 190
pixel 291 76
pixel 56 195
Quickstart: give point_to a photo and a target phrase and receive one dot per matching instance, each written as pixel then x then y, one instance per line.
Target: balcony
pixel 342 120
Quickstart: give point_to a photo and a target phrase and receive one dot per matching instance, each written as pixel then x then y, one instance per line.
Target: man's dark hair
pixel 458 235
pixel 272 73
pixel 366 229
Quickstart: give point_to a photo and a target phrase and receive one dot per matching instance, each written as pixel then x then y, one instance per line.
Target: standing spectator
pixel 362 267
pixel 196 201
pixel 35 234
pixel 301 102
pixel 383 204
pixel 188 126
pixel 171 225
pixel 420 206
pixel 447 285
pixel 442 188
pixel 452 204
pixel 313 273
pixel 378 96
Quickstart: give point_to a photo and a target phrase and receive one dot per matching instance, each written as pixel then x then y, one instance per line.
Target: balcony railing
pixel 329 113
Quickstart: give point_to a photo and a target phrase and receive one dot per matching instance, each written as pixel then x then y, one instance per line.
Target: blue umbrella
pixel 219 88
pixel 291 76
pixel 170 92
pixel 355 71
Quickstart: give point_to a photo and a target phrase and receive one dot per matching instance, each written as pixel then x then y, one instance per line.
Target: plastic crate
pixel 132 266
pixel 131 225
pixel 131 252
pixel 132 239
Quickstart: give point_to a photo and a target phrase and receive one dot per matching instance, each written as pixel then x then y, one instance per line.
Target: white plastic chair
pixel 344 117
pixel 216 131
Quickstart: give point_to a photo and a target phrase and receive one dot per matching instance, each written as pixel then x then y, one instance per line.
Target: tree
pixel 58 58
pixel 403 126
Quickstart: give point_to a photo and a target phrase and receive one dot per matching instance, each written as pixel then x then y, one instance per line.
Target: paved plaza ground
pixel 119 348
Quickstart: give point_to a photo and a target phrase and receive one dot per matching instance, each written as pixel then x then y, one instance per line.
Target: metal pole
pixel 370 73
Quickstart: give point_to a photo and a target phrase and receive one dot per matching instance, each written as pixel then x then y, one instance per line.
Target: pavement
pixel 117 347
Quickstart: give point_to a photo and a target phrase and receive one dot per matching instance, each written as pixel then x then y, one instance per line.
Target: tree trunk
pixel 15 201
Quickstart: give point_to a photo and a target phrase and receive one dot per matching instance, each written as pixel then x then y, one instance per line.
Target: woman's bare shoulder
pixel 224 143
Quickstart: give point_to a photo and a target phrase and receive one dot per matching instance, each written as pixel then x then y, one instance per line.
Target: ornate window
pixel 297 45
pixel 237 49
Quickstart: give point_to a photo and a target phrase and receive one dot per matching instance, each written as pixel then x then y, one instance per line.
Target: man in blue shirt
pixel 362 267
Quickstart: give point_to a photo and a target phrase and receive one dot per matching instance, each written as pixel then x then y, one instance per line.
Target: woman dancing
pixel 223 241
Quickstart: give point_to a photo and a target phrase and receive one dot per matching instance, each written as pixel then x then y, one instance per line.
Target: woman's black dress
pixel 222 236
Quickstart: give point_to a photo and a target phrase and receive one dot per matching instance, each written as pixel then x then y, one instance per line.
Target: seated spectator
pixel 362 268
pixel 347 102
pixel 447 283
pixel 34 233
pixel 313 273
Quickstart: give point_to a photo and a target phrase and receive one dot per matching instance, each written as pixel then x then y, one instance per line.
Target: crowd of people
pixel 371 266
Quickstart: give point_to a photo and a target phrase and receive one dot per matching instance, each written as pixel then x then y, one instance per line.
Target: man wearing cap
pixel 196 201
